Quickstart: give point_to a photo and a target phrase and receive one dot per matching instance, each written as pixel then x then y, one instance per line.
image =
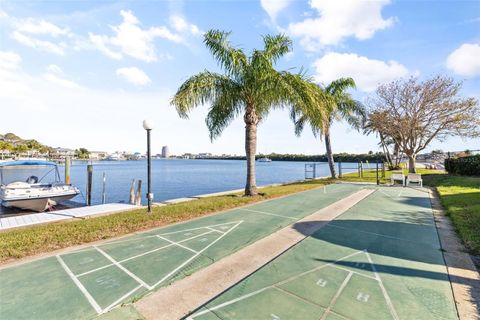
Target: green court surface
pixel 86 283
pixel 379 260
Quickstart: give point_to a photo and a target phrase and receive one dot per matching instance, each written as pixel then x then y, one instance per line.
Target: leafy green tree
pixel 344 108
pixel 33 144
pixel 250 85
pixel 82 153
pixel 5 146
pixel 20 149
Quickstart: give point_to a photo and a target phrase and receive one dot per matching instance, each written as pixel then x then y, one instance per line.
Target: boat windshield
pixel 38 173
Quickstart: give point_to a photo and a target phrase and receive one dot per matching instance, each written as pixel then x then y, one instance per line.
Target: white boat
pixel 33 193
pixel 264 159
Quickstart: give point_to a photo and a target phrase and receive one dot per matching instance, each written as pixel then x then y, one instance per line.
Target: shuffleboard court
pixel 86 283
pixel 379 260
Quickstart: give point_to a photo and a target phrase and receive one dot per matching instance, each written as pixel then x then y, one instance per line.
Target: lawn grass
pixel 27 241
pixel 371 175
pixel 460 196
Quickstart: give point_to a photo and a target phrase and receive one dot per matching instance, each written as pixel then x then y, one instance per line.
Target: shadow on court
pixel 408 249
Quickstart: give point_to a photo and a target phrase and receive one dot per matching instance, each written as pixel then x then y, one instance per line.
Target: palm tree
pixel 344 108
pixel 250 86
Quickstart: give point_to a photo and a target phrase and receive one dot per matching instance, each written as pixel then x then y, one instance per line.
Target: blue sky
pixel 86 73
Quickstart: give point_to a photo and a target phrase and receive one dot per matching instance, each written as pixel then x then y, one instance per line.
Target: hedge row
pixel 466 166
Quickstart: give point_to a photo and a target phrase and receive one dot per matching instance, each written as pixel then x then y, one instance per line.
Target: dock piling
pixel 104 197
pixel 132 192
pixel 68 163
pixel 138 196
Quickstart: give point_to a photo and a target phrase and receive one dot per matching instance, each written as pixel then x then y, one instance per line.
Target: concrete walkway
pixel 45 217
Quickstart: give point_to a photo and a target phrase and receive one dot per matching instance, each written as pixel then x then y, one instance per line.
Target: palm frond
pixel 232 59
pixel 222 112
pixel 339 86
pixel 276 46
pixel 200 89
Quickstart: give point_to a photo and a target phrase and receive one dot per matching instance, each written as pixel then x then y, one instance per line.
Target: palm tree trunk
pixel 251 121
pixel 328 146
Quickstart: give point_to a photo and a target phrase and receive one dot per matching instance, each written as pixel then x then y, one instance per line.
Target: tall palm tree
pixel 250 86
pixel 344 108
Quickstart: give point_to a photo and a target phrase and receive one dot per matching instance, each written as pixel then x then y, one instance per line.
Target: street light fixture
pixel 148 125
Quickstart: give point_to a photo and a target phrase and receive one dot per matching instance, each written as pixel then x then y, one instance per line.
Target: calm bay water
pixel 176 178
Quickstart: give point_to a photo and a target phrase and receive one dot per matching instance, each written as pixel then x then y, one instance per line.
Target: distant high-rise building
pixel 165 152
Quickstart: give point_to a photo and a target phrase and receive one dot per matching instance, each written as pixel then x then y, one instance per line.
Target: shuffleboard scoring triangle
pixel 210 236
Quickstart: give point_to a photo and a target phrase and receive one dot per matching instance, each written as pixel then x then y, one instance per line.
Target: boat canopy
pixel 27 163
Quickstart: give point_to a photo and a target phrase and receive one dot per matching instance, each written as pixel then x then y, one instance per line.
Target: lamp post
pixel 148 125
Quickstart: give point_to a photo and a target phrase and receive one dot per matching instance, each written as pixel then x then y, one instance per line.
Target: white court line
pixel 374 234
pixel 80 286
pixel 142 254
pixel 388 195
pixel 141 236
pixel 269 287
pixel 120 299
pixel 213 225
pixel 335 297
pixel 133 276
pixel 214 230
pixel 357 273
pixel 177 244
pixel 268 213
pixel 384 291
pixel 194 256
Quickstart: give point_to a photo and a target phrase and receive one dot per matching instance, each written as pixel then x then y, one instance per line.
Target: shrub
pixel 466 166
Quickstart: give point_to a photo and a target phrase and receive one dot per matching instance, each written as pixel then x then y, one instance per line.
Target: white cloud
pixel 43 45
pixel 100 42
pixel 37 33
pixel 182 25
pixel 61 81
pixel 53 68
pixel 9 60
pixel 338 20
pixel 465 60
pixel 33 26
pixel 367 73
pixel 134 75
pixel 130 39
pixel 274 7
pixel 55 75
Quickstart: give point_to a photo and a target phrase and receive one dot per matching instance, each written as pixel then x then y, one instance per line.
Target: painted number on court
pixel 322 283
pixel 86 260
pixel 107 281
pixel 363 297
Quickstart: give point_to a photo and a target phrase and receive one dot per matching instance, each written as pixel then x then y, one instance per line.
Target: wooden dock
pixel 14 221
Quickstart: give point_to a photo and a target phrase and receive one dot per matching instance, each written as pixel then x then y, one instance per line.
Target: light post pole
pixel 148 126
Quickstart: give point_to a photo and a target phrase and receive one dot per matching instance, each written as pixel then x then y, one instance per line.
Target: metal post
pixel 339 169
pixel 89 184
pixel 378 181
pixel 314 170
pixel 149 173
pixel 104 197
pixel 68 163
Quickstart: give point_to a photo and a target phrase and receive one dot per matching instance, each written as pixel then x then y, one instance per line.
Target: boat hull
pixel 36 204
